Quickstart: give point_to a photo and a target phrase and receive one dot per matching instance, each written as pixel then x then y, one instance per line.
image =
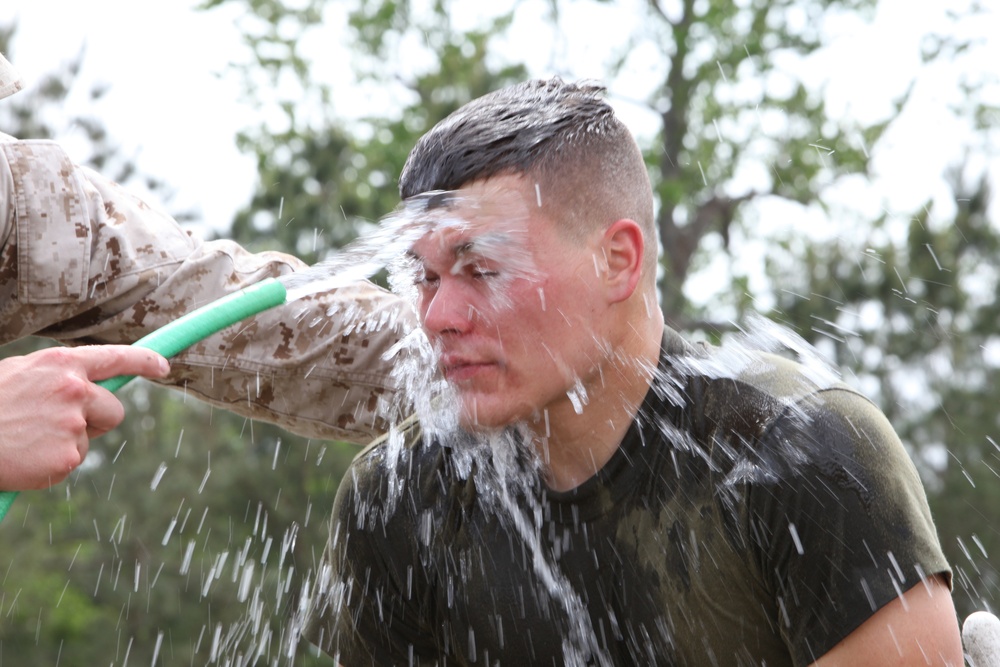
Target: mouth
pixel 459 370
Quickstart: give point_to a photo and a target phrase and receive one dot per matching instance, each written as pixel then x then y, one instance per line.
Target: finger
pixel 103 412
pixel 101 362
pixel 83 446
pixel 61 465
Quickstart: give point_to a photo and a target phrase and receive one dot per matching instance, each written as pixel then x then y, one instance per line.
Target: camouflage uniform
pixel 82 261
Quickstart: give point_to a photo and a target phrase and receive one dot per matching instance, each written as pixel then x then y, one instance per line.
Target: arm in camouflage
pixel 82 261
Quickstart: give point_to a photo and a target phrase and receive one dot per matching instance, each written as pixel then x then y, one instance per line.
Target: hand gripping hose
pixel 185 331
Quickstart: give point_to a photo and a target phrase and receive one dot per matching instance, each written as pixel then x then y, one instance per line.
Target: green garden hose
pixel 185 331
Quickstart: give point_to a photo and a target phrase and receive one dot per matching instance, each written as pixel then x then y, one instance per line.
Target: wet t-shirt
pixel 754 516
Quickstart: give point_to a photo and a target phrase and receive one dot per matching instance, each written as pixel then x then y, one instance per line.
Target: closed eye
pixel 484 274
pixel 475 268
pixel 424 278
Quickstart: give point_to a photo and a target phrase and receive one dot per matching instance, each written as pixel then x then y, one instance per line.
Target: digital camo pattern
pixel 82 261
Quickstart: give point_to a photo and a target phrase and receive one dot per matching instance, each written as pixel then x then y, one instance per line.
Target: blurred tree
pixel 906 306
pixel 324 177
pixel 186 540
pixel 735 123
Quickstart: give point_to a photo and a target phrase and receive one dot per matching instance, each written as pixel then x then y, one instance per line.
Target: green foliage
pixel 727 103
pixel 322 179
pixel 186 536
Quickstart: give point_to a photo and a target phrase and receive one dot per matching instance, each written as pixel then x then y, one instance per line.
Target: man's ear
pixel 623 245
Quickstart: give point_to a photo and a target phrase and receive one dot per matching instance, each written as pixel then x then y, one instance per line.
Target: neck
pixel 580 434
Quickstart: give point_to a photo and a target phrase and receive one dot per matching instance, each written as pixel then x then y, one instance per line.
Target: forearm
pixel 84 262
pixel 315 366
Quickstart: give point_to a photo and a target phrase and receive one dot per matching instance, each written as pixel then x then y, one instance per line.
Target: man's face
pixel 509 305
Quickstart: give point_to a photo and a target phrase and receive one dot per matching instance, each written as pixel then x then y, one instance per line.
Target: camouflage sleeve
pixel 82 261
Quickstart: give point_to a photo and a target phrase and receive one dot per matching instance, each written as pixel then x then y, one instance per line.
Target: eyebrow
pixel 457 250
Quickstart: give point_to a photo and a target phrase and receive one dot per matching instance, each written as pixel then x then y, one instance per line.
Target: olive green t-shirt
pixel 751 516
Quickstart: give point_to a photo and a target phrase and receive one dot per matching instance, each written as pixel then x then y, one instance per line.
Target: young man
pixel 606 492
pixel 82 261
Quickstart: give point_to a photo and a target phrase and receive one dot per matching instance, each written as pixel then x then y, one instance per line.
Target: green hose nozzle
pixel 185 331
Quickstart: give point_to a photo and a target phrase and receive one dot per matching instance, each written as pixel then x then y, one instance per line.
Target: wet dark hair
pixel 507 131
pixel 584 162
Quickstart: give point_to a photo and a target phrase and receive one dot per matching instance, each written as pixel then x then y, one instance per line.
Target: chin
pixel 485 414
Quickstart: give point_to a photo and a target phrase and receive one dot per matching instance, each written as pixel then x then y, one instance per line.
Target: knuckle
pixel 74 423
pixel 58 355
pixel 71 459
pixel 74 387
pixel 116 413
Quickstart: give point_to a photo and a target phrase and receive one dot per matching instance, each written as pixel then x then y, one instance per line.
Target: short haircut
pixel 588 169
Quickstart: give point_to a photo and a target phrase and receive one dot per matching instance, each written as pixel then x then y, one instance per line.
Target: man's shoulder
pixel 404 452
pixel 392 450
pixel 774 387
pixel 781 383
pixel 733 391
pixel 407 432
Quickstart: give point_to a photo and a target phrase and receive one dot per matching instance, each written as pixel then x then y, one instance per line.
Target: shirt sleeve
pixel 846 528
pixel 82 261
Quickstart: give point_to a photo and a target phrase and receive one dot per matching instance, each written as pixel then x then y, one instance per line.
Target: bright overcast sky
pixel 167 107
pixel 164 104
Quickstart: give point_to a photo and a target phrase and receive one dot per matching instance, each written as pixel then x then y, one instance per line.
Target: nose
pixel 447 310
